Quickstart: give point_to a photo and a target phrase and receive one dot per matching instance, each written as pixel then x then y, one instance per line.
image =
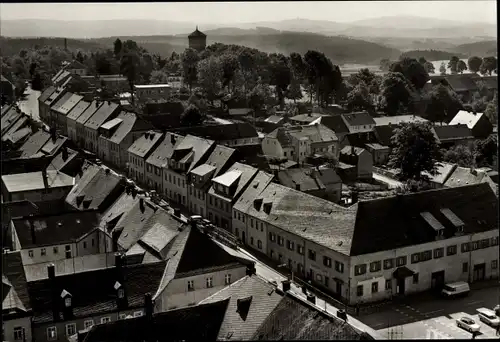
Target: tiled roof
pixel 314 133
pixel 466 118
pixel 397 120
pixel 160 155
pixel 20 135
pixel 96 189
pixel 358 119
pixel 55 229
pixel 335 123
pixel 56 106
pixel 395 222
pixel 465 176
pixel 242 324
pixel 52 146
pixel 384 134
pixel 162 229
pixel 247 173
pixel 198 146
pixel 115 212
pixel 53 97
pixel 452 132
pixel 101 115
pixel 348 150
pixel 14 128
pixel 75 65
pixel 77 110
pixel 461 83
pixel 301 177
pixel 58 163
pixel 197 33
pixel 233 131
pixel 91 297
pixel 61 77
pixel 34 181
pixel 444 170
pixel 218 159
pixel 258 184
pixel 196 323
pixel 13 271
pixel 69 104
pixel 315 219
pixel 306 118
pixel 275 119
pixel 129 124
pixel 9 119
pixel 134 223
pixel 144 145
pixel 91 109
pixel 56 76
pixel 376 146
pixel 328 176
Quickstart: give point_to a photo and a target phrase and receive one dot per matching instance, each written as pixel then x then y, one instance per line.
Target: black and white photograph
pixel 242 171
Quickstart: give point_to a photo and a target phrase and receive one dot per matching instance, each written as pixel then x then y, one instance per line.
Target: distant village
pixel 120 222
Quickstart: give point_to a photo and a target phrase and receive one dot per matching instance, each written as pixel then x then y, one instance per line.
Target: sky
pixel 247 12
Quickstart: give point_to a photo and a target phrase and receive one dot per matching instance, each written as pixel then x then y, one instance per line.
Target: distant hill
pixel 431 55
pixel 482 49
pixel 339 49
pixel 11 46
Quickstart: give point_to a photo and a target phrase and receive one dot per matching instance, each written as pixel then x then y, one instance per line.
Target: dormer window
pixel 440 232
pixel 121 293
pixel 67 302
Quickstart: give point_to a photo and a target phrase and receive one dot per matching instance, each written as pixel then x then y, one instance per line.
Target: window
pixel 67 302
pixel 85 244
pixel 272 237
pixel 451 250
pixel 425 256
pixel 90 322
pixel 210 282
pixel 494 264
pixel 375 266
pixel 122 316
pixel 70 329
pixel 138 314
pixel 388 264
pixel 327 261
pixel 251 240
pixel 415 278
pixel 121 293
pixel 465 267
pixel 485 243
pixel 415 258
pixel 251 222
pixel 259 244
pixel 359 290
pixel 281 240
pixel 438 253
pixel 290 245
pixel 475 245
pixel 319 278
pixel 465 247
pixel 93 242
pixel 401 261
pixel 30 253
pixel 388 284
pixel 234 213
pixel 105 320
pixel 51 333
pixel 190 285
pixel 19 333
pixel 227 279
pixel 375 287
pixel 339 267
pixel 43 252
pixel 359 269
pixel 300 249
pixel 55 250
pixel 312 255
pixel 494 241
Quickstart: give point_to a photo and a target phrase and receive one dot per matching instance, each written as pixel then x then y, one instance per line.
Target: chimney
pixel 297 186
pixel 286 285
pixel 109 103
pixel 146 135
pixel 134 192
pixel 53 135
pixel 141 205
pixel 177 212
pixel 354 197
pixel 32 229
pixel 65 44
pixel 51 272
pixel 172 139
pixel 148 306
pixel 65 154
pixel 45 180
pixel 107 171
pixel 352 150
pixel 151 136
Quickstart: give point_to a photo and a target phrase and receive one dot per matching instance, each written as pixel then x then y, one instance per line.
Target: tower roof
pixel 197 33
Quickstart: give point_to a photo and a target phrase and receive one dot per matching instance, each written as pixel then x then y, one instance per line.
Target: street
pixel 432 317
pixel 29 104
pixel 393 184
pixel 271 275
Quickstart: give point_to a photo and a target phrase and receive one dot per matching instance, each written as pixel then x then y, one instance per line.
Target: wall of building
pixel 452 265
pixel 197 199
pixel 272 147
pixel 177 295
pixel 175 184
pixel 256 233
pixel 154 177
pixel 220 211
pixel 136 168
pixel 365 165
pixel 13 324
pixel 71 128
pixel 40 196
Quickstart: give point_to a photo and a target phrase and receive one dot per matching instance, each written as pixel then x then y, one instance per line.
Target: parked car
pixel 195 218
pixel 488 316
pixel 457 289
pixel 468 324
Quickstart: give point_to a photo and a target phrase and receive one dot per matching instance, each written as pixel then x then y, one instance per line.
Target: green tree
pixel 281 76
pixel 210 74
pixel 230 66
pixel 415 151
pixel 297 66
pixel 191 116
pixel 412 70
pixel 117 45
pixel 158 77
pixel 259 97
pixel 429 67
pixel 294 91
pixel 461 155
pixel 491 110
pixel 474 63
pixel 442 69
pixel 461 66
pixel 247 63
pixel 442 104
pixel 189 62
pixel 385 64
pixel 487 150
pixel 359 99
pixel 488 66
pixel 129 67
pixel 453 64
pixel 396 93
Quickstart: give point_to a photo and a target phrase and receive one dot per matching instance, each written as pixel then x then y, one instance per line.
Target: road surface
pixel 270 274
pixel 431 317
pixel 29 104
pixel 393 184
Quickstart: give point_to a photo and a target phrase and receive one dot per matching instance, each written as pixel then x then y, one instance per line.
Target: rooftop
pixel 306 118
pixel 91 109
pixel 452 132
pixel 258 184
pixel 16 298
pixel 466 118
pixel 56 106
pixel 101 115
pixel 77 110
pixel 232 131
pixel 34 181
pixel 46 94
pixel 335 123
pixel 358 119
pixel 349 150
pixel 151 86
pixel 67 106
pixel 305 179
pixel 40 231
pixel 314 133
pixel 239 175
pixel 461 176
pixel 192 144
pixel 160 155
pixel 197 33
pixel 397 120
pixel 144 145
pixel 129 124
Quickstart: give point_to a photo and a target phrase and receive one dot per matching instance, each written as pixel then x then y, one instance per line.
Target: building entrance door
pixel 401 286
pixel 479 272
pixel 437 280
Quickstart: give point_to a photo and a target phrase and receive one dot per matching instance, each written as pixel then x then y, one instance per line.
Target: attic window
pixel 67 302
